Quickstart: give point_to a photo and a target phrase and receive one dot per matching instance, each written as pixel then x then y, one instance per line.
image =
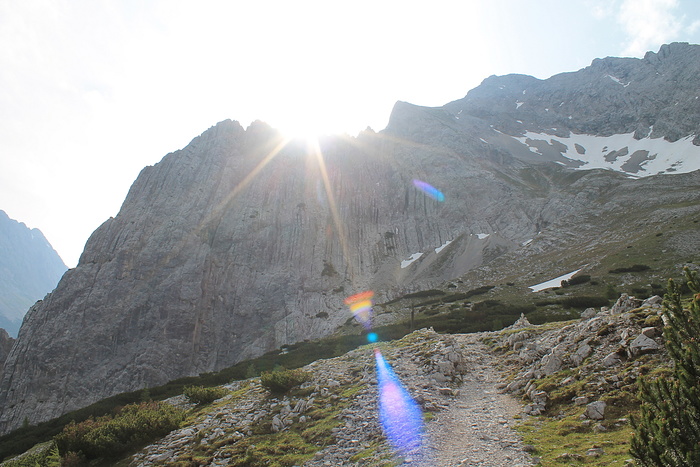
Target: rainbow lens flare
pixel 429 190
pixel 399 415
pixel 361 307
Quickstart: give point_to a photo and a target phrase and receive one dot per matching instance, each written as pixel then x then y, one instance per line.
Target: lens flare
pixel 372 337
pixel 361 307
pixel 400 416
pixel 429 190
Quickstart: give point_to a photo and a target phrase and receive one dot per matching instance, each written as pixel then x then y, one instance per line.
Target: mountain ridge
pixel 29 269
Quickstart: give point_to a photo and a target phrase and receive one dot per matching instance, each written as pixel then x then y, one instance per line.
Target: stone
pixel 595 410
pixel 625 303
pixel 277 424
pixel 654 301
pixel 611 360
pixel 588 313
pixel 642 345
pixel 581 354
pixel 551 363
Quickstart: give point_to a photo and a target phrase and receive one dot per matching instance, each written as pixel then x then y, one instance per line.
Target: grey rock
pixel 551 363
pixel 588 313
pixel 595 410
pixel 625 303
pixel 611 359
pixel 581 400
pixel 581 354
pixel 595 452
pixel 642 345
pixel 654 301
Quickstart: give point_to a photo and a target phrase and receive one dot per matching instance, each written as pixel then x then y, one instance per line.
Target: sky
pixel 92 91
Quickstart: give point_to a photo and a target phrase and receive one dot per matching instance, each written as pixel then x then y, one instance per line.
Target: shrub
pixel 45 456
pixel 281 381
pixel 668 432
pixel 633 268
pixel 576 280
pixel 110 436
pixel 200 395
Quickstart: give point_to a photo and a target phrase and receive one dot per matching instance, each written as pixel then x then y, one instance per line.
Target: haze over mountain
pixel 29 269
pixel 243 241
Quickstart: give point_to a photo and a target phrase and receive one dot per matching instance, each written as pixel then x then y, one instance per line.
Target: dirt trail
pixel 476 429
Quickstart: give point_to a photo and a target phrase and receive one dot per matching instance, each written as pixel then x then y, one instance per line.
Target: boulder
pixel 643 345
pixel 595 410
pixel 588 313
pixel 625 303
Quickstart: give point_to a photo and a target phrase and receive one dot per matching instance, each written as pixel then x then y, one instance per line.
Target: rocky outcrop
pixel 6 343
pixel 597 347
pixel 243 242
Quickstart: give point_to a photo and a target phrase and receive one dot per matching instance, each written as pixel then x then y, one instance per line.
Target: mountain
pixel 29 269
pixel 243 242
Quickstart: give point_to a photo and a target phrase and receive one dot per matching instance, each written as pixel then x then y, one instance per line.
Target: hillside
pixel 555 393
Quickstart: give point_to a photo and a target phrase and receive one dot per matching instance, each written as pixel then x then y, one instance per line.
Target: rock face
pixel 243 242
pixel 6 343
pixel 29 269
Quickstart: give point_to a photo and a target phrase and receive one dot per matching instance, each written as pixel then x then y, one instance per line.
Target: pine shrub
pixel 282 380
pixel 200 395
pixel 110 436
pixel 668 430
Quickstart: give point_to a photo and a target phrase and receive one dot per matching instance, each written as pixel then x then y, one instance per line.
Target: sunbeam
pixel 315 149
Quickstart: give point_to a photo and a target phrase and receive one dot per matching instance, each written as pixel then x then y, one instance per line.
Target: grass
pixel 566 440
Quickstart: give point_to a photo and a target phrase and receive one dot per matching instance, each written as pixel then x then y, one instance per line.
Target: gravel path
pixel 476 429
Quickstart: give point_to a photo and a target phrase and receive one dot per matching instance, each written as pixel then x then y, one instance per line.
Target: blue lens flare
pixel 400 416
pixel 372 337
pixel 429 190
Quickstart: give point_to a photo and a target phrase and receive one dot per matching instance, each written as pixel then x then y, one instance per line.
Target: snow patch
pixel 482 236
pixel 618 81
pixel 527 242
pixel 442 247
pixel 622 153
pixel 518 104
pixel 405 263
pixel 556 282
pixel 484 141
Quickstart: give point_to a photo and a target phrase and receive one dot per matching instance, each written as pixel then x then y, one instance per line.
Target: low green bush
pixel 633 268
pixel 576 280
pixel 281 381
pixel 200 395
pixel 43 456
pixel 130 427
